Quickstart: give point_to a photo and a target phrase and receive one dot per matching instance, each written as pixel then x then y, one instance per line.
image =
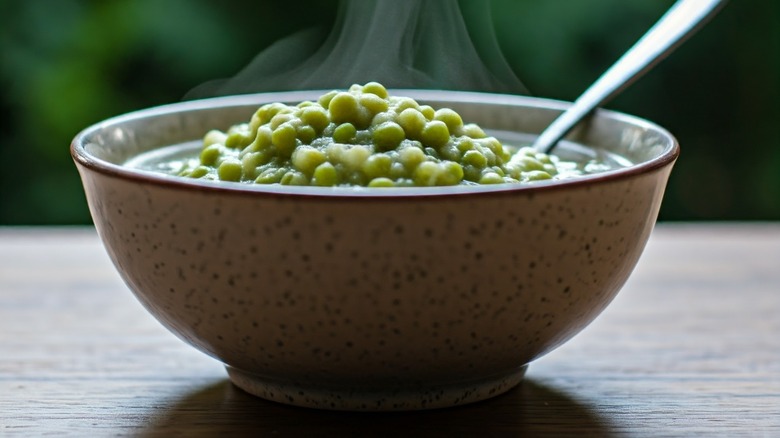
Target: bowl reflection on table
pixel 373 299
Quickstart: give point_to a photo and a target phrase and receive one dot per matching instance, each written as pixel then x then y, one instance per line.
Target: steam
pixel 400 43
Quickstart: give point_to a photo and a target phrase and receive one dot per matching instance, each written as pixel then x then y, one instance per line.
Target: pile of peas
pixel 363 137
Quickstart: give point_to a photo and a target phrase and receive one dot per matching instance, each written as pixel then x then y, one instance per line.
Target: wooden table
pixel 689 347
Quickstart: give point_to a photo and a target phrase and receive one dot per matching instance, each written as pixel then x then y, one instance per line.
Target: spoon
pixel 680 21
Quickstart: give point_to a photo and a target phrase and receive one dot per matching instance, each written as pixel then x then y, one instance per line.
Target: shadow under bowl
pixel 373 299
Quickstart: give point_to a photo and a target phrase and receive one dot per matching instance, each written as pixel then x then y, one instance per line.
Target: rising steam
pixel 400 43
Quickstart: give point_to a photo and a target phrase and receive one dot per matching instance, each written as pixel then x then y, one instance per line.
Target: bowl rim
pixel 86 160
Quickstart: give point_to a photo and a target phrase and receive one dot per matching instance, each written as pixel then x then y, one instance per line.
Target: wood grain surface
pixel 690 347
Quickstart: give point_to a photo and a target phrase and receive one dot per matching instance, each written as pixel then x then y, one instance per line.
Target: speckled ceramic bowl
pixel 373 299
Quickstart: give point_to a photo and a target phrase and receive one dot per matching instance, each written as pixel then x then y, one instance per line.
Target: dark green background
pixel 69 63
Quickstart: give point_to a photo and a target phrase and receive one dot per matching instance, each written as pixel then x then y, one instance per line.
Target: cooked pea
pixel 402 103
pixel 375 88
pixel 325 99
pixel 325 175
pixel 537 175
pixel 411 157
pixel 427 111
pixel 435 134
pixel 199 172
pixel 475 159
pixel 450 118
pixel 491 178
pixel 383 117
pixel 284 138
pixel 344 108
pixel 413 122
pixel 214 137
pixel 388 136
pixel 306 134
pixel 528 164
pixel 344 133
pixel 377 165
pixel 307 158
pixel 373 103
pixel 210 154
pixel 316 117
pixel 230 170
pixel 293 178
pixel 271 176
pixel 426 174
pixel 473 131
pixel 451 173
pixel 278 119
pixel 381 182
pixel 354 157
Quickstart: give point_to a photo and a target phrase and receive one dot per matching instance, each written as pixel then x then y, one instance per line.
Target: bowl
pixel 373 299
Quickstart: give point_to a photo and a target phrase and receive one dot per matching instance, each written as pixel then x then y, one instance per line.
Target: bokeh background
pixel 69 63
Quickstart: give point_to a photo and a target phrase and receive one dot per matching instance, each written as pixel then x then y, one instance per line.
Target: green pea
pixel 427 111
pixel 316 117
pixel 452 119
pixel 284 138
pixel 268 111
pixel 344 108
pixel 551 169
pixel 473 131
pixel 229 170
pixel 373 103
pixel 398 171
pixel 325 99
pixel 411 157
pixel 377 165
pixel 537 175
pixel 383 117
pixel 449 152
pixel 278 119
pixel 402 103
pixel 344 133
pixel 250 162
pixel 381 182
pixel 214 137
pixel 472 173
pixel 413 122
pixel 465 144
pixel 435 134
pixel 270 176
pixel 262 139
pixel 426 174
pixel 375 88
pixel 293 178
pixel 307 158
pixel 354 157
pixel 491 178
pixel 238 139
pixel 475 159
pixel 306 134
pixel 450 174
pixel 210 154
pixel 527 164
pixel 199 172
pixel 388 136
pixel 325 175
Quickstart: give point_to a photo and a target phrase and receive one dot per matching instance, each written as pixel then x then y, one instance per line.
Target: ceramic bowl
pixel 373 299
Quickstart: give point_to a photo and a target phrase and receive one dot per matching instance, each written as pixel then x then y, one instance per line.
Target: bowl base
pixel 362 399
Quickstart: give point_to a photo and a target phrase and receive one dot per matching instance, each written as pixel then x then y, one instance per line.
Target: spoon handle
pixel 679 22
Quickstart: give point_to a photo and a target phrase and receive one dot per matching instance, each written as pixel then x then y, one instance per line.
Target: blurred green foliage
pixel 69 63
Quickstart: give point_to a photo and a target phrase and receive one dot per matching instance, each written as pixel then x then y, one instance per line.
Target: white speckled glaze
pixel 373 299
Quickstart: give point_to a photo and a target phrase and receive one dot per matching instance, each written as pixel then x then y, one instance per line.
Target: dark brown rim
pixel 83 158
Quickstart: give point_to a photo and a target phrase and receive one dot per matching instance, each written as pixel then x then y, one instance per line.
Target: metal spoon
pixel 679 22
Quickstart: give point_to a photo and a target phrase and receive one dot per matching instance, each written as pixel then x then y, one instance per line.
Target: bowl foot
pixel 367 399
